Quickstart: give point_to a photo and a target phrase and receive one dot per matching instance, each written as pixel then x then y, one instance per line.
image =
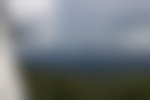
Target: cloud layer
pixel 99 26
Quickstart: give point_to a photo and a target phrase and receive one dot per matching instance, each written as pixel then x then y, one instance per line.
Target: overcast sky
pixel 76 25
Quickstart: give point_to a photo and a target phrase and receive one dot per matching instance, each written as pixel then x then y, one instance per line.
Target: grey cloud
pixel 83 25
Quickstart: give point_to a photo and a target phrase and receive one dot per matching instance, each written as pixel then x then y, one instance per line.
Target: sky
pixel 79 26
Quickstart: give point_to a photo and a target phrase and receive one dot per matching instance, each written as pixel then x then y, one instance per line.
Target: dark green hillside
pixel 50 86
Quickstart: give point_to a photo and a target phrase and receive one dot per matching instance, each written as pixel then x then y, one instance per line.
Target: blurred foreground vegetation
pixel 48 86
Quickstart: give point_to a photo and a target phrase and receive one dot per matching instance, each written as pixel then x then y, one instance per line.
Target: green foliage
pixel 46 86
